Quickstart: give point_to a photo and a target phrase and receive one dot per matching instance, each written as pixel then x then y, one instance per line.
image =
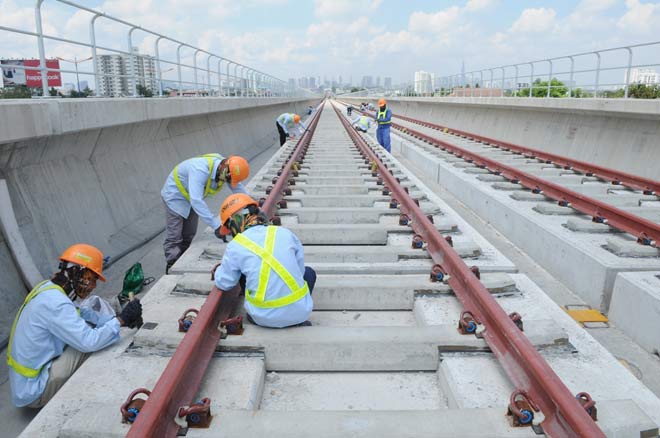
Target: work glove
pixel 131 314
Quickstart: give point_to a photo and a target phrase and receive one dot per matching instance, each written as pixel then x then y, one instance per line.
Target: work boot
pixel 167 267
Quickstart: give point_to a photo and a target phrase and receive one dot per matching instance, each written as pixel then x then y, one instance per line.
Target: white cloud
pixel 438 22
pixel 640 17
pixel 477 5
pixel 337 8
pixel 535 20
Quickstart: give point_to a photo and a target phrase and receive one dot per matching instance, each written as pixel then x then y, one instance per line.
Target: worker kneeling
pixel 49 339
pixel 277 282
pixel 362 123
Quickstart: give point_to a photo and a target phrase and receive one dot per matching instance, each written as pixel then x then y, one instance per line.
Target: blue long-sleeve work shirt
pixel 289 252
pixel 47 324
pixel 382 121
pixel 193 174
pixel 285 120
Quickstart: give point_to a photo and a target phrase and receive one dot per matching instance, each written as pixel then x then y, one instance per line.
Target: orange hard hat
pixel 233 204
pixel 239 169
pixel 86 256
pixel 296 118
pixel 382 102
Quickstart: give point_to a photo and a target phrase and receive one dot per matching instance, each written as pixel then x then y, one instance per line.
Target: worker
pixel 49 340
pixel 310 110
pixel 183 194
pixel 370 106
pixel 384 120
pixel 286 123
pixel 362 123
pixel 349 110
pixel 277 282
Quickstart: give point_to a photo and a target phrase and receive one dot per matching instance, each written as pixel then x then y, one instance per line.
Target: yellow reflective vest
pixel 208 190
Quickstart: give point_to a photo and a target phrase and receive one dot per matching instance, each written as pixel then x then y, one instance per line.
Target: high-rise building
pixel 387 82
pixel 367 81
pixel 118 72
pixel 312 82
pixel 340 81
pixel 646 76
pixel 292 83
pixel 424 82
pixel 378 81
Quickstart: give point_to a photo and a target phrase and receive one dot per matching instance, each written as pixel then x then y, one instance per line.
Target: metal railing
pixel 242 81
pixel 605 73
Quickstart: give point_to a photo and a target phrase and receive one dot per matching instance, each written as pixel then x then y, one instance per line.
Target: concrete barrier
pixel 91 170
pixel 623 134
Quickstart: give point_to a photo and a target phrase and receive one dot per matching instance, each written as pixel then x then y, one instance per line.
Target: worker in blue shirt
pixel 384 120
pixel 278 285
pixel 49 340
pixel 288 125
pixel 362 123
pixel 183 194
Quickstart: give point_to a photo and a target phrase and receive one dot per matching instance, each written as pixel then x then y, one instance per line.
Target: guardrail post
pixel 570 81
pixel 42 51
pixel 630 55
pixel 132 60
pixel 178 67
pixel 531 80
pixel 597 74
pixel 92 40
pixel 195 71
pixel 549 77
pixel 159 73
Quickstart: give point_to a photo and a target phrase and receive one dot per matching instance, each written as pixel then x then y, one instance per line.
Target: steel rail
pixel 646 231
pixel 283 179
pixel 526 368
pixel 179 383
pixel 647 185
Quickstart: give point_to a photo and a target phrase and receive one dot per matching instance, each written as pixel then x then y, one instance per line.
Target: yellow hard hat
pixel 86 256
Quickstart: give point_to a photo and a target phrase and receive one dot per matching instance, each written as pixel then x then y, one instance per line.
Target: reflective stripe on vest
pixel 207 190
pixel 383 114
pixel 22 369
pixel 364 123
pixel 268 263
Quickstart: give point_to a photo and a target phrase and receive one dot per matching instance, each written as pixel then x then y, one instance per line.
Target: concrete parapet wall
pixel 623 134
pixel 91 170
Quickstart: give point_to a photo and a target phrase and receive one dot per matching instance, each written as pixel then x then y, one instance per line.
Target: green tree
pixel 144 91
pixel 18 92
pixel 540 89
pixel 643 91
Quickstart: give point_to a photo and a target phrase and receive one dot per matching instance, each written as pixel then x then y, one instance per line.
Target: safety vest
pixel 283 121
pixel 383 114
pixel 207 190
pixel 363 123
pixel 22 369
pixel 268 263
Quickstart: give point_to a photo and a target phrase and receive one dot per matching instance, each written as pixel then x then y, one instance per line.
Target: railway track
pixel 384 356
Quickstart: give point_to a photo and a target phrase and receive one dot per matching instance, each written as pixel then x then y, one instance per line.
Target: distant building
pixel 387 82
pixel 83 85
pixel 424 82
pixel 116 69
pixel 378 81
pixel 367 81
pixel 646 76
pixel 292 83
pixel 312 82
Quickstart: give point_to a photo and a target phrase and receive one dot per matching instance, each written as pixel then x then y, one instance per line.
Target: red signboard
pixel 33 77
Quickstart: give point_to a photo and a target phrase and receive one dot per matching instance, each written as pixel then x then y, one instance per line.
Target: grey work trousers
pixel 179 233
pixel 60 370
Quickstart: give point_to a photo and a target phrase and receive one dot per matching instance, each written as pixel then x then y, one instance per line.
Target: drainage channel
pixel 383 357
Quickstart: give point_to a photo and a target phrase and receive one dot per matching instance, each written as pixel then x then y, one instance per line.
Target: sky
pixel 348 38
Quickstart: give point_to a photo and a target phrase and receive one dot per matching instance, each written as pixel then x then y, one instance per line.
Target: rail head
pixel 528 371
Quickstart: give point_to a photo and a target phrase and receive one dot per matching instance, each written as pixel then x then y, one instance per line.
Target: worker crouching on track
pixel 278 284
pixel 183 194
pixel 49 339
pixel 362 123
pixel 286 124
pixel 384 120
